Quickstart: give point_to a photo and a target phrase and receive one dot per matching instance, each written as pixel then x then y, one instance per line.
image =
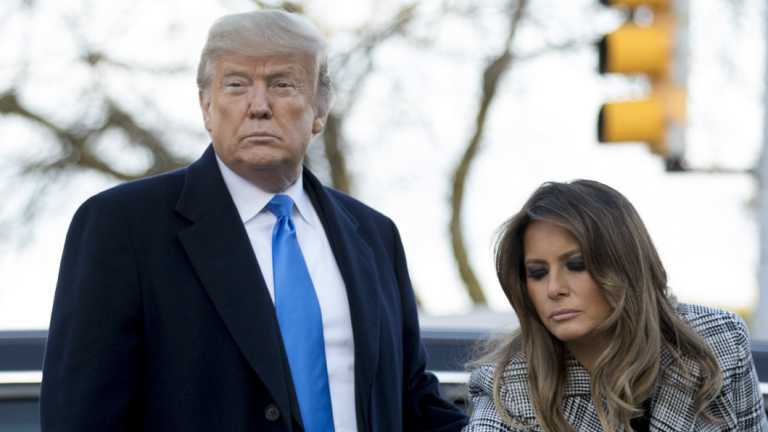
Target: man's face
pixel 260 113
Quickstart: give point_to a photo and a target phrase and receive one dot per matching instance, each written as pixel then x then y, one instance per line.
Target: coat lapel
pixel 218 247
pixel 356 263
pixel 672 406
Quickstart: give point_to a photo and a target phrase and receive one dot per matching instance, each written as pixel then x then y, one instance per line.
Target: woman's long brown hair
pixel 621 258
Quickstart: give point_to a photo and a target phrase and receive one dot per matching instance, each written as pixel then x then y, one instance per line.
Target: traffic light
pixel 657 50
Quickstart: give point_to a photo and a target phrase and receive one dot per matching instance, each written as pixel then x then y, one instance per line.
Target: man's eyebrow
pixel 291 70
pixel 236 73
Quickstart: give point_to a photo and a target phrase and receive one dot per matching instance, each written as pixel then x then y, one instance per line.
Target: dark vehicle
pixel 450 344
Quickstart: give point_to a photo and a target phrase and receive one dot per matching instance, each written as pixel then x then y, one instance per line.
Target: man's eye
pixel 284 84
pixel 233 85
pixel 536 273
pixel 576 265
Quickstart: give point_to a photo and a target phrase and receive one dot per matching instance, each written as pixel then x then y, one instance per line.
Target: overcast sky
pixel 403 147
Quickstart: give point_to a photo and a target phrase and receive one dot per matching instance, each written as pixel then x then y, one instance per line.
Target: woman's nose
pixel 557 285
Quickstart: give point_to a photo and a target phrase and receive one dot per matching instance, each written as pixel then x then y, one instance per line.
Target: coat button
pixel 271 412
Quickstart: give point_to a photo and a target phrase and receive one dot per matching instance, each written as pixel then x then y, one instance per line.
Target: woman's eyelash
pixel 536 273
pixel 576 264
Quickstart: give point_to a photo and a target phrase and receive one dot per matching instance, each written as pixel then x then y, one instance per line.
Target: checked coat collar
pixel 739 403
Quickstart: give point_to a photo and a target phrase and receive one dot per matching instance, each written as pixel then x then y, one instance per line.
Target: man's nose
pixel 259 106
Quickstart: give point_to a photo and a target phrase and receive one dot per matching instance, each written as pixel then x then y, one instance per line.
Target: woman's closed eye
pixel 576 264
pixel 536 273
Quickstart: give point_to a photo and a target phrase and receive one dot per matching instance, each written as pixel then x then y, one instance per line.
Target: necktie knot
pixel 280 205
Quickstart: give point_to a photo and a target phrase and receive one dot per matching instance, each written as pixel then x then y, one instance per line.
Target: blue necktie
pixel 301 323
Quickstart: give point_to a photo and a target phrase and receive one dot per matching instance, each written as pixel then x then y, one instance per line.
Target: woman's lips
pixel 564 314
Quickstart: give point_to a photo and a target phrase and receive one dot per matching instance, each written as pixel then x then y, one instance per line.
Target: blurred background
pixel 449 113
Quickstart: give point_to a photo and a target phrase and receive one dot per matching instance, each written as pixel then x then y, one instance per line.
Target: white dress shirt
pixel 331 292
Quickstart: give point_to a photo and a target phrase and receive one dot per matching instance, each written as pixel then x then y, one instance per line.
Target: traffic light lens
pixel 638 121
pixel 635 50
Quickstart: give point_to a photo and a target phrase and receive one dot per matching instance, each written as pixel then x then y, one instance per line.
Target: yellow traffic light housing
pixel 657 51
pixel 636 49
pixel 637 120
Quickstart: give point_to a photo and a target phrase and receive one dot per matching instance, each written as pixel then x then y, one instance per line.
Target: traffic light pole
pixel 678 76
pixel 760 324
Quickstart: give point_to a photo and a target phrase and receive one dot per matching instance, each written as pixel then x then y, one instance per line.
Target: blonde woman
pixel 601 345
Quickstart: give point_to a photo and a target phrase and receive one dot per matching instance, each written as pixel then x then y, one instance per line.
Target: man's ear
pixel 318 124
pixel 205 105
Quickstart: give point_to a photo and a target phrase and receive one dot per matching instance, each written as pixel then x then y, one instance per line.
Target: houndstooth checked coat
pixel 740 403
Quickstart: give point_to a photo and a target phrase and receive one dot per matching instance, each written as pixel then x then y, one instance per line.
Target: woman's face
pixel 567 299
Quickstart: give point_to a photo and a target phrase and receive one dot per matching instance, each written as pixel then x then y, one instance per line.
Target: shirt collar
pixel 251 200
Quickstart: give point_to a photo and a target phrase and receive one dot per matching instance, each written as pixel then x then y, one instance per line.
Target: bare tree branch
pixel 139 135
pixel 333 145
pixel 372 39
pixel 491 77
pixel 567 45
pixel 97 58
pixel 333 135
pixel 75 143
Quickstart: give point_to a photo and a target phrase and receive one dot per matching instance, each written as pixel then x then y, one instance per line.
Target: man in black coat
pixel 167 315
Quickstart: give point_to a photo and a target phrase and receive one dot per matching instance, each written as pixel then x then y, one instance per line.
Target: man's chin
pixel 270 175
